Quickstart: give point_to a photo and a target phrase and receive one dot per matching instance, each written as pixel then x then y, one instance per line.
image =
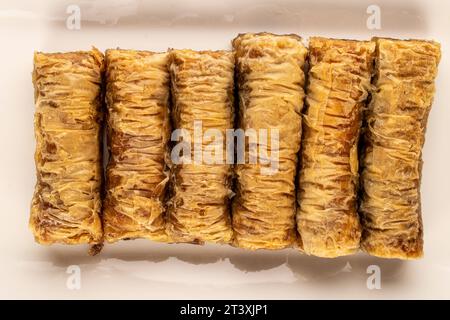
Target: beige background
pixel 140 269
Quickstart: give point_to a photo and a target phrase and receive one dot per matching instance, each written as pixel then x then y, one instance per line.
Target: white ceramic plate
pixel 141 269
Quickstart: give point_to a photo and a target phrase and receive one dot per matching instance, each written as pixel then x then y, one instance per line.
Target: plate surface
pixel 141 269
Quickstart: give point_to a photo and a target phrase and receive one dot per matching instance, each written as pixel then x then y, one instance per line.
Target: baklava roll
pixel 66 204
pixel 338 87
pixel 270 86
pixel 137 95
pixel 202 91
pixel 394 136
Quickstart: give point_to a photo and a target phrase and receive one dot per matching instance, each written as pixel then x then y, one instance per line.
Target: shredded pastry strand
pixel 202 90
pixel 270 81
pixel 339 83
pixel 66 203
pixel 137 94
pixel 392 160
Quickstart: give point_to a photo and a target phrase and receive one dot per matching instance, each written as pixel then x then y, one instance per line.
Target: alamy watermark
pixel 73 21
pixel 210 146
pixel 374 280
pixel 73 281
pixel 374 20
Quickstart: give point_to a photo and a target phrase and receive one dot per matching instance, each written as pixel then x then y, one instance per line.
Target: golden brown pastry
pixel 270 84
pixel 202 90
pixel 137 94
pixel 339 83
pixel 392 160
pixel 66 202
